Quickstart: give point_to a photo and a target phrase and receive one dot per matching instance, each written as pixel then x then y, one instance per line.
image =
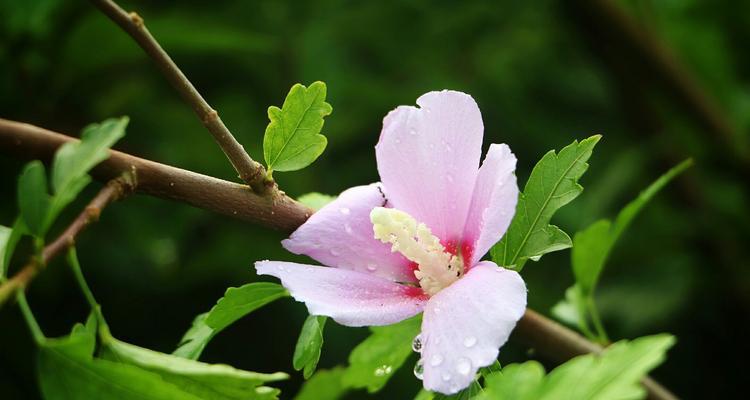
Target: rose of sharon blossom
pixel 413 242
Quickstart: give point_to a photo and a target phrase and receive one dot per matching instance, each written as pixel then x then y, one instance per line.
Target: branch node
pixel 137 19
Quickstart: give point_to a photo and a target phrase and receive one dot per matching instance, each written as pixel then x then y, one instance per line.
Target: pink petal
pixel 494 202
pixel 465 324
pixel 340 235
pixel 428 159
pixel 351 298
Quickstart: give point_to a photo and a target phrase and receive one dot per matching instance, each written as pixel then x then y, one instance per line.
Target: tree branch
pixel 111 192
pixel 249 170
pixel 280 212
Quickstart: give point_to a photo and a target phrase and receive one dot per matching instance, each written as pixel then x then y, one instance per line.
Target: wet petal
pixel 351 298
pixel 340 235
pixel 428 159
pixel 465 324
pixel 494 202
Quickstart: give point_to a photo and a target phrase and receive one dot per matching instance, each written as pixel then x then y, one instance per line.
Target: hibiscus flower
pixel 413 242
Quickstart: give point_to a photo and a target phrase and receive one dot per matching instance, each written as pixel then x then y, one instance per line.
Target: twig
pixel 112 191
pixel 560 344
pixel 274 210
pixel 547 337
pixel 249 170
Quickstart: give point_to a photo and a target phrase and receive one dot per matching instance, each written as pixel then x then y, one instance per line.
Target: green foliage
pixel 309 344
pixel 613 374
pixel 236 303
pixel 205 381
pixel 373 362
pixel 324 385
pixel 33 198
pixel 553 183
pixel 74 160
pixel 316 200
pixel 293 140
pixel 8 248
pixel 592 246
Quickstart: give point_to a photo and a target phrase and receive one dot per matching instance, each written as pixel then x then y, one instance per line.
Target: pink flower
pixel 413 243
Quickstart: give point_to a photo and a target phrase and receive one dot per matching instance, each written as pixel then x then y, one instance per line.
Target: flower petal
pixel 428 159
pixel 340 235
pixel 493 203
pixel 351 298
pixel 465 324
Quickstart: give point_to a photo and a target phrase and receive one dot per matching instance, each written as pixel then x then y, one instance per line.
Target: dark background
pixel 544 73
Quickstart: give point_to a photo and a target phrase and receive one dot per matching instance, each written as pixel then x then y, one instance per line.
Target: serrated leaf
pixel 74 160
pixel 553 183
pixel 308 348
pixel 292 140
pixel 592 246
pixel 236 303
pixel 67 370
pixel 324 385
pixel 377 358
pixel 613 374
pixel 205 381
pixel 316 200
pixel 33 198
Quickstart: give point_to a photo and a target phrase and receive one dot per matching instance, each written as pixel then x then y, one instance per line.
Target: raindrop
pixel 345 210
pixel 470 341
pixel 436 360
pixel 419 369
pixel 383 370
pixel 371 267
pixel 416 344
pixel 464 366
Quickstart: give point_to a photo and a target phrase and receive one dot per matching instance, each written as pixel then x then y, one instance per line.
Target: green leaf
pixel 6 253
pixel 205 381
pixel 553 183
pixel 293 140
pixel 315 200
pixel 236 303
pixel 324 385
pixel 592 246
pixel 376 359
pixel 613 374
pixel 309 344
pixel 33 198
pixel 571 310
pixel 74 160
pixel 5 236
pixel 68 371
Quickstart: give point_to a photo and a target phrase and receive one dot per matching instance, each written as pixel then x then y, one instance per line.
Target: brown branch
pixel 249 170
pixel 560 344
pixel 280 212
pixel 111 192
pixel 274 210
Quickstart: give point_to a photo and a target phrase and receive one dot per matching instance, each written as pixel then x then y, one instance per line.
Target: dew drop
pixel 470 341
pixel 345 210
pixel 383 370
pixel 463 366
pixel 416 344
pixel 371 267
pixel 436 360
pixel 419 369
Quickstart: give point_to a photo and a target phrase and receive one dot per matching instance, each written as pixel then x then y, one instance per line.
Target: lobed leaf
pixel 236 303
pixel 613 374
pixel 553 183
pixel 292 140
pixel 308 348
pixel 377 358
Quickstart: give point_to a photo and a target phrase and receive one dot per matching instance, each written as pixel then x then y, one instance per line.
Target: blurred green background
pixel 544 73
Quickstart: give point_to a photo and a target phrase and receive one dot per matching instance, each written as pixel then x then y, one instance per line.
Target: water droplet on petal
pixel 436 360
pixel 334 252
pixel 463 366
pixel 348 228
pixel 345 210
pixel 416 344
pixel 446 376
pixel 371 267
pixel 413 131
pixel 449 178
pixel 419 369
pixel 470 341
